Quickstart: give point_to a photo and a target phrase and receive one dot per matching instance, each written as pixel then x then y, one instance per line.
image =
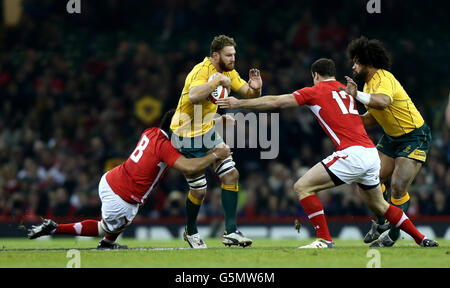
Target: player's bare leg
pixel 387 166
pixel 315 180
pixel 197 183
pixel 403 175
pixel 375 201
pixel 380 226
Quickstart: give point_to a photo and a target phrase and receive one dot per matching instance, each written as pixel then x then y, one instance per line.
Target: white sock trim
pixel 400 222
pixel 77 227
pixel 315 214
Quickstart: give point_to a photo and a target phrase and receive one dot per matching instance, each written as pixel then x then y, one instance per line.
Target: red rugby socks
pixel 398 218
pixel 83 228
pixel 314 210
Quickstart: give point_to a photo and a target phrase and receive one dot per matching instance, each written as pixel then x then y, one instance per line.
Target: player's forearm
pixel 201 92
pixel 203 162
pixel 374 101
pixel 190 166
pixel 252 93
pixel 261 103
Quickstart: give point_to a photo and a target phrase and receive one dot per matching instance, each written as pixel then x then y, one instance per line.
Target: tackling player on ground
pixel 192 123
pixel 406 140
pixel 126 187
pixel 355 161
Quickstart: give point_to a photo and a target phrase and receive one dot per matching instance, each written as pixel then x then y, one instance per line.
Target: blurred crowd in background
pixel 78 90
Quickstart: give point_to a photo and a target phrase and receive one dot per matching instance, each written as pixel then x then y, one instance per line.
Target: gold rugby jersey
pixel 401 116
pixel 192 120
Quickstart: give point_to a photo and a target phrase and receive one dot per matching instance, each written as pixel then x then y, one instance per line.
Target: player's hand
pixel 229 102
pixel 255 80
pixel 352 87
pixel 222 152
pixel 224 80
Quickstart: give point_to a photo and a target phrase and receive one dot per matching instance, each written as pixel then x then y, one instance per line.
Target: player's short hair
pixel 219 42
pixel 369 52
pixel 324 67
pixel 165 121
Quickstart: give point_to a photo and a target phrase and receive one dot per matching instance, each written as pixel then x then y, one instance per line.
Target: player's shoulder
pixel 205 66
pixel 232 74
pixel 334 83
pixel 155 132
pixel 381 73
pixel 327 85
pixel 157 137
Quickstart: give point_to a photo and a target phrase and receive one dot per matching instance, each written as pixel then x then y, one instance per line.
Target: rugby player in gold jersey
pixel 406 140
pixel 193 123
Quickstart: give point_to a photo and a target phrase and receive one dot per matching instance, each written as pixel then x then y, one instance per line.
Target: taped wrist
pixel 363 97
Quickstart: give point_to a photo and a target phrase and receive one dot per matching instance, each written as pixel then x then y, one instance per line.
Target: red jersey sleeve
pixel 303 96
pixel 168 154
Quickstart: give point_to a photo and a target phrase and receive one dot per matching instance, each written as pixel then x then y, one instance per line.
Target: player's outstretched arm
pixel 193 165
pixel 202 91
pixel 263 103
pixel 375 101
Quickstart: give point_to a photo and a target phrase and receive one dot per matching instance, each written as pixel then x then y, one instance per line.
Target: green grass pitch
pixel 264 253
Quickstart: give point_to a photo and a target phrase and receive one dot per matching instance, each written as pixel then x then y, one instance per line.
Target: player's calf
pixel 229 176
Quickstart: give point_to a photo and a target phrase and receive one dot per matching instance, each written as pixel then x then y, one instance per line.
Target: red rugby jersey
pixel 136 178
pixel 336 112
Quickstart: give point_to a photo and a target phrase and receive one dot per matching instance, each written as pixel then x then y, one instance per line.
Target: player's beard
pixel 362 75
pixel 224 67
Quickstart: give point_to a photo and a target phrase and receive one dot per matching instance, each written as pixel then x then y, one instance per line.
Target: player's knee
pixel 301 189
pixel 399 188
pixel 231 178
pixel 198 194
pixel 197 183
pixel 103 228
pixel 379 207
pixel 226 170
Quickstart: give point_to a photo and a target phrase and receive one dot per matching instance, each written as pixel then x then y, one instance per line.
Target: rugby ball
pixel 219 93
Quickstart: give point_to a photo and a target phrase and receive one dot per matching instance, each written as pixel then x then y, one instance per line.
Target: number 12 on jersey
pixel 342 95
